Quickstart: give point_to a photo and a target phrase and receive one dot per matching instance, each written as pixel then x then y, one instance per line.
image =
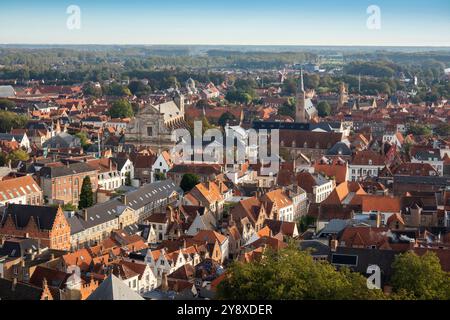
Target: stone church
pixel 305 111
pixel 153 125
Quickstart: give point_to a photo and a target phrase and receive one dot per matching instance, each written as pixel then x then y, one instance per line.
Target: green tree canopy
pixel 18 155
pixel 420 277
pixel 419 129
pixel 121 109
pixel 238 96
pixel 138 88
pixel 443 129
pixel 86 194
pixel 11 120
pixel 6 104
pixel 91 90
pixel 84 140
pixel 115 89
pixel 225 118
pixel 291 274
pixel 189 181
pixel 323 109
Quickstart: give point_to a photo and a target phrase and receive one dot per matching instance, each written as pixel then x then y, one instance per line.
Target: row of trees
pixel 291 274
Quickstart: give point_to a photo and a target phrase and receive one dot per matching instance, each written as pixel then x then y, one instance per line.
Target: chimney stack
pixel 334 245
pixel 164 282
pixel 85 214
pixel 14 284
pixel 123 198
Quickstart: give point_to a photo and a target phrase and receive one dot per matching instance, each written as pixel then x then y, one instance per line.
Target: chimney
pixel 27 235
pixel 175 286
pixel 333 245
pixel 14 284
pixel 85 214
pixel 164 282
pixel 378 219
pixel 123 198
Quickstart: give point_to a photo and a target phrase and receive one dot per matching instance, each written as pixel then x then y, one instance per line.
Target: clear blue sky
pixel 246 22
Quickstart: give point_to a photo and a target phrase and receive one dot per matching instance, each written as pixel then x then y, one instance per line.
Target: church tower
pixel 343 96
pixel 300 113
pixel 179 101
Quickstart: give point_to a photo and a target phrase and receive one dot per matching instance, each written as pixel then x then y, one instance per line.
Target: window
pixel 150 131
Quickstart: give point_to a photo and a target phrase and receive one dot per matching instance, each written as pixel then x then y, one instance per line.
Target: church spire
pixel 300 114
pixel 302 87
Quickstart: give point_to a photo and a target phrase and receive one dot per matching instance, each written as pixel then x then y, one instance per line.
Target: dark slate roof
pixel 133 229
pixel 21 214
pixel 15 248
pixel 22 291
pixel 114 289
pixel 9 137
pixel 366 257
pixel 96 215
pixel 340 148
pixel 326 126
pixel 150 193
pixel 65 170
pixel 257 125
pixel 120 162
pixel 62 140
pixel 428 180
pixel 317 248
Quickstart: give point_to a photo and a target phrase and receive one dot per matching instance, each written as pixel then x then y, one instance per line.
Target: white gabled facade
pixel 167 263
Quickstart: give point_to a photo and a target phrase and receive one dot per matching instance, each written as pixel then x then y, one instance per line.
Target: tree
pixel 69 207
pixel 237 96
pixel 443 129
pixel 3 159
pixel 290 87
pixel 115 89
pixel 420 277
pixel 86 194
pixel 138 88
pixel 11 120
pixel 159 176
pixel 18 155
pixel 418 129
pixel 127 179
pixel 225 118
pixel 91 90
pixel 6 104
pixel 189 181
pixel 323 109
pixel 121 109
pixel 203 103
pixel 84 140
pixel 304 222
pixel 288 108
pixel 291 274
